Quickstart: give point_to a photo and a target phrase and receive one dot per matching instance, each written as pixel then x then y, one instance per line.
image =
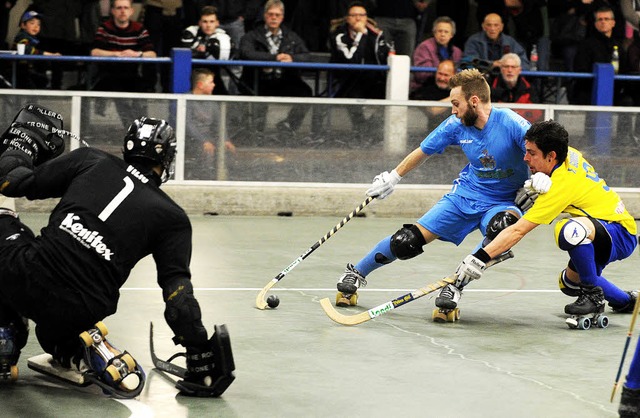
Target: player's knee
pixel 570 233
pixel 497 223
pixel 407 242
pixel 566 286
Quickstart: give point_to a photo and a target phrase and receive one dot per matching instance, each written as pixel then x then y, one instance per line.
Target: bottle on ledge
pixel 533 59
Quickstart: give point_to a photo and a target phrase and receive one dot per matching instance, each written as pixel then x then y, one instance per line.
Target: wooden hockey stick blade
pixel 261 302
pixel 399 301
pixel 356 319
pixel 616 383
pixel 163 365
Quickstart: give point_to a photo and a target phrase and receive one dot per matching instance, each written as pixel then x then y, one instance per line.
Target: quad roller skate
pixel 348 285
pixel 115 372
pixel 588 310
pixel 9 354
pixel 447 305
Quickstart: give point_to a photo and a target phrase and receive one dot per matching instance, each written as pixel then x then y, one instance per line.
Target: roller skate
pixel 587 310
pixel 628 307
pixel 447 305
pixel 348 285
pixel 9 354
pixel 115 372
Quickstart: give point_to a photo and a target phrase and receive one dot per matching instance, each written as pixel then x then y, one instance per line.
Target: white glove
pixel 383 184
pixel 525 198
pixel 539 182
pixel 471 268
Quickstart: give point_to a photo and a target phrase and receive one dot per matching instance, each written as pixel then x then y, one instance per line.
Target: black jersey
pixel 108 218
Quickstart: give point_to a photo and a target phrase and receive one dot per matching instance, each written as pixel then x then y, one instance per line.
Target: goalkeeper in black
pixel 111 214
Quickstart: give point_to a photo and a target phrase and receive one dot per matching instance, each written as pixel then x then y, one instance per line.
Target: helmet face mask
pixel 151 141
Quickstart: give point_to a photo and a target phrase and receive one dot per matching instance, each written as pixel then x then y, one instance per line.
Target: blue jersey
pixel 496 168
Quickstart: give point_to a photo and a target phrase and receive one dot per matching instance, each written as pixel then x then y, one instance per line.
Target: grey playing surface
pixel 511 355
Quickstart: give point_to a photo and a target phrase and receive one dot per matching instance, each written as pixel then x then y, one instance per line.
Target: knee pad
pixel 570 233
pixel 407 242
pixel 497 223
pixel 566 286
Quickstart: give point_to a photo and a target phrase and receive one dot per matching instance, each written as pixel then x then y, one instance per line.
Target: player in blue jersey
pixel 482 196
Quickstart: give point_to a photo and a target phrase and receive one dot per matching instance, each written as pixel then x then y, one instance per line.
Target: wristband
pixel 482 255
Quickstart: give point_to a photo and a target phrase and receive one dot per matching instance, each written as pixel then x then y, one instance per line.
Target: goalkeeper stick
pixel 261 302
pixel 399 301
pixel 616 384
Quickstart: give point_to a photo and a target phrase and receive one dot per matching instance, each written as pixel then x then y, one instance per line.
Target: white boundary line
pixel 310 289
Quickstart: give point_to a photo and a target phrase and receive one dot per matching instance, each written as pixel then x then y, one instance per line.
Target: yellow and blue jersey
pixel 578 190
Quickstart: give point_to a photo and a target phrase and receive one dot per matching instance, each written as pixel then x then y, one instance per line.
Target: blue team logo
pixel 488 162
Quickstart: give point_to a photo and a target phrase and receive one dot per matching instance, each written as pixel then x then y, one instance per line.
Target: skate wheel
pixel 438 316
pixel 584 323
pixel 102 328
pixel 14 373
pixel 129 361
pixel 343 301
pixel 451 316
pixel 113 372
pixel 353 300
pixel 86 338
pixel 602 321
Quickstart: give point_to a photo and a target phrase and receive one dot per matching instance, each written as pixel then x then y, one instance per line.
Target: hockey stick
pixel 616 384
pixel 399 301
pixel 261 303
pixel 165 365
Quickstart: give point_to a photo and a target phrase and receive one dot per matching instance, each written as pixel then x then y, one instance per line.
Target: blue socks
pixel 378 257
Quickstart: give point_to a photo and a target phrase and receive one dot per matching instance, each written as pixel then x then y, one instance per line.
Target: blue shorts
pixel 454 217
pixel 622 242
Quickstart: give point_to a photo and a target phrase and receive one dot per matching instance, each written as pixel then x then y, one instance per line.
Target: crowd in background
pixel 501 37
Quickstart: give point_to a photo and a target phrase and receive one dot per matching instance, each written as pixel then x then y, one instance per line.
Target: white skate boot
pixel 348 285
pixel 447 304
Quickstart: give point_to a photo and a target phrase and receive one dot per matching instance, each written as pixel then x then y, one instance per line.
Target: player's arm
pixel 384 183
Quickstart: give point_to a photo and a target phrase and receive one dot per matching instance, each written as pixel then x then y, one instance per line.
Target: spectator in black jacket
pixel 274 42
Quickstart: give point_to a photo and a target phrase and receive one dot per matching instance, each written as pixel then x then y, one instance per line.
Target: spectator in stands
pixel 202 129
pixel 509 86
pixel 430 52
pixel 568 27
pixel 397 18
pixel 437 89
pixel 121 37
pixel 357 40
pixel 274 42
pixel 207 41
pixel 31 75
pixel 491 44
pixel 528 28
pixel 5 11
pixel 163 21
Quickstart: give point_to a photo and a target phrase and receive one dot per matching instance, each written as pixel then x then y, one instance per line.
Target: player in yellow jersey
pixel 599 230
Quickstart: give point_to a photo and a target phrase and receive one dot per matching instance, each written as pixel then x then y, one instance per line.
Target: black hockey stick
pixel 397 302
pixel 166 365
pixel 261 303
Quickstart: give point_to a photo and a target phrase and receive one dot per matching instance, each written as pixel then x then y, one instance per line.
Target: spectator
pixel 5 11
pixel 202 129
pixel 437 88
pixel 208 41
pixel 163 20
pixel 528 28
pixel 397 18
pixel 273 42
pixel 121 37
pixel 357 40
pixel 31 75
pixel 430 52
pixel 568 27
pixel 491 44
pixel 509 86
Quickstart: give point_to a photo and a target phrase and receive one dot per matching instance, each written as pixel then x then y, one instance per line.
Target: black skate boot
pixel 447 304
pixel 348 285
pixel 588 309
pixel 628 307
pixel 629 403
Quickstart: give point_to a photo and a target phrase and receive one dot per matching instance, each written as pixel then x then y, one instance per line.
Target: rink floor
pixel 510 355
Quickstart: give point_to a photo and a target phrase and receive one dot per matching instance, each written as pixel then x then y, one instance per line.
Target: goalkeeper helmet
pixel 151 141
